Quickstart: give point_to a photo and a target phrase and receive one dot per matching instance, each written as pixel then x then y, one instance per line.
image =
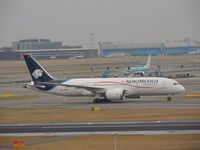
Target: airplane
pixel 137 70
pixel 105 73
pixel 103 90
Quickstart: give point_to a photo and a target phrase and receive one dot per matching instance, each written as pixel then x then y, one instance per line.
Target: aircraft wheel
pixel 101 101
pixel 169 98
pixel 107 101
pixel 96 101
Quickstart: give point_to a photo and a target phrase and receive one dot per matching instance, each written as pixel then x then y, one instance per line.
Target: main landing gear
pixel 104 100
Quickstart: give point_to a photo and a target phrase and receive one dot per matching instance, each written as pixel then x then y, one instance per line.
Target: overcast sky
pixel 72 21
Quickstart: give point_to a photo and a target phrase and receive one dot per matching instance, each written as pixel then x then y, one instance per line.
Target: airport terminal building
pixel 31 44
pixel 46 49
pixel 50 53
pixel 110 49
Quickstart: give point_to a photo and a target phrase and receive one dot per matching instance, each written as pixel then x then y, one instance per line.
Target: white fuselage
pixel 132 86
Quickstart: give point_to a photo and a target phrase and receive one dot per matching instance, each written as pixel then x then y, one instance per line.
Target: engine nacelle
pixel 115 94
pixel 140 73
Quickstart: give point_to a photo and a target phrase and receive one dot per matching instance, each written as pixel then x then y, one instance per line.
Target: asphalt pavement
pixel 102 127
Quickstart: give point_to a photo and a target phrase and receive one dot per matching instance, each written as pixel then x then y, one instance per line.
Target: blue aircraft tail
pixel 38 73
pixel 148 62
pixel 105 73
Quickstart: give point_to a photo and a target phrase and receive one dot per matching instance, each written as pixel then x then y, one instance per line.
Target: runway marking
pixel 104 133
pixel 107 126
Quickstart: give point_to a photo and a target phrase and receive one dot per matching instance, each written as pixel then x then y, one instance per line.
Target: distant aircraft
pixel 137 70
pixel 105 73
pixel 103 89
pixel 195 52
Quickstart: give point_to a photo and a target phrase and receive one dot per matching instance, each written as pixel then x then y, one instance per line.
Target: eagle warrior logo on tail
pixel 37 73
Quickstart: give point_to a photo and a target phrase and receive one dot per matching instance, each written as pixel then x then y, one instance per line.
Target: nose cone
pixel 181 89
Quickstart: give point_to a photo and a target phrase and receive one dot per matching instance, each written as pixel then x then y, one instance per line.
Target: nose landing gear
pixel 169 98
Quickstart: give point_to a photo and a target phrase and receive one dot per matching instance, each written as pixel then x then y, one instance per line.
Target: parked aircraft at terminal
pixel 102 89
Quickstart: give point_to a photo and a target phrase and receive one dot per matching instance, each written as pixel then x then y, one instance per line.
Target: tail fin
pixel 37 72
pixel 148 62
pixel 105 73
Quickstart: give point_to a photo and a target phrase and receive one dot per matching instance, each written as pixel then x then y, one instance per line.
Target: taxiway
pixel 102 127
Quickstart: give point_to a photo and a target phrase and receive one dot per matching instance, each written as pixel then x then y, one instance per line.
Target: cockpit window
pixel 175 83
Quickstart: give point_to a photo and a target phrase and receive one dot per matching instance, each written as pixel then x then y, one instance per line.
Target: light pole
pixel 115 141
pixel 91 34
pixel 100 49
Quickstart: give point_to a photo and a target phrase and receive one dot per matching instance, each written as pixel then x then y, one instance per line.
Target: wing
pixel 118 69
pixel 95 90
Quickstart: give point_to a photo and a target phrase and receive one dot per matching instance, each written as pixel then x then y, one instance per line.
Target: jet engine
pixel 140 73
pixel 115 94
